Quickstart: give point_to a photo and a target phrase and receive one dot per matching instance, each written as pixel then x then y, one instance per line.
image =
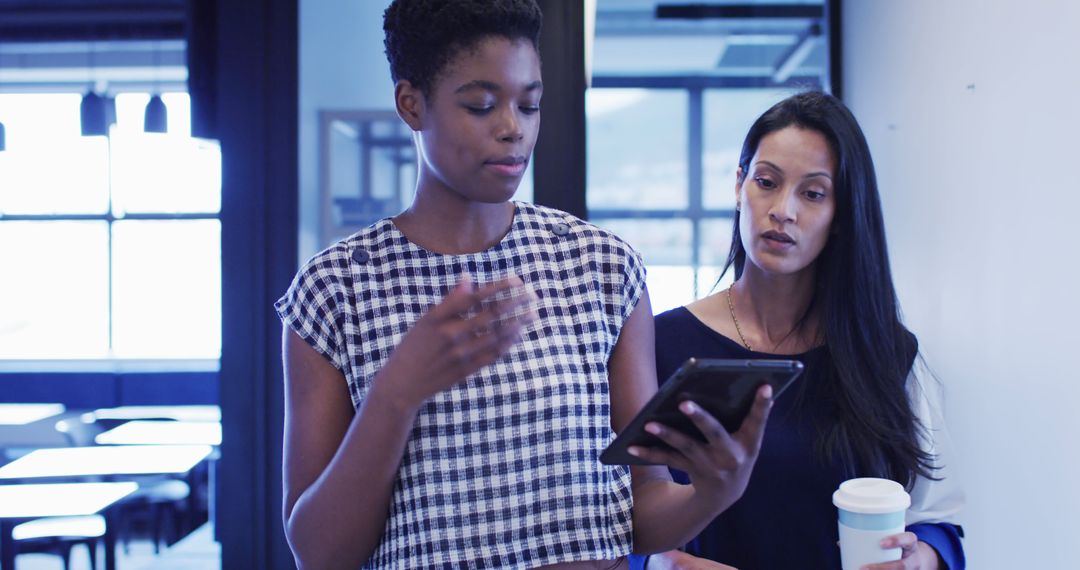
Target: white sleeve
pixel 941 500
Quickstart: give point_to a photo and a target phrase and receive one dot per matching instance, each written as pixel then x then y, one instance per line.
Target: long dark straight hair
pixel 868 351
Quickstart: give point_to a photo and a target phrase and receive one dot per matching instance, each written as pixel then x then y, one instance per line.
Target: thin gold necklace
pixel 731 307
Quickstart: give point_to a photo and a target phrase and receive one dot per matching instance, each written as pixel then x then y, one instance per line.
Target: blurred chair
pixel 78 431
pixel 158 505
pixel 58 535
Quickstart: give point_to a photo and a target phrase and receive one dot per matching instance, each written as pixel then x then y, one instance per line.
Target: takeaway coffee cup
pixel 870 509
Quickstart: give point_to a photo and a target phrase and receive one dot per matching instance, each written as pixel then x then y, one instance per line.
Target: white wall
pixel 342 67
pixel 971 109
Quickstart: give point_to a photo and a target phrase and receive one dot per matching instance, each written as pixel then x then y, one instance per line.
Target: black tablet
pixel 724 388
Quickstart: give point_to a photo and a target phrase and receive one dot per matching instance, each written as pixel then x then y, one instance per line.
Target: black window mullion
pixel 695 151
pixel 109 280
pixel 109 256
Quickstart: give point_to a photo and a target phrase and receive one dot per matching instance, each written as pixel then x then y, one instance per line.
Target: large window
pixel 674 91
pixel 109 246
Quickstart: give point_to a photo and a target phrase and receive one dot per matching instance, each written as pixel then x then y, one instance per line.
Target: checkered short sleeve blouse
pixel 502 470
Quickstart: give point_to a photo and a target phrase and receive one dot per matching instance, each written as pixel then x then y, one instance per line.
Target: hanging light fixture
pixel 157 116
pixel 94 115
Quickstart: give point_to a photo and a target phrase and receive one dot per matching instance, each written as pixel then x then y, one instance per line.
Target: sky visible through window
pixel 639 179
pixel 109 246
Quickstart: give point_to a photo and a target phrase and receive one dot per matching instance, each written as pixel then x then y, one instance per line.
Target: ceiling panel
pixel 631 41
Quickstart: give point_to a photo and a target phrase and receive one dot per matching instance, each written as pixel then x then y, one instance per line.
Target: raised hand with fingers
pixel 720 466
pixel 471 328
pixel 916 555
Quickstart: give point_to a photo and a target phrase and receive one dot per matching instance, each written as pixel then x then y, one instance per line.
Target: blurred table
pixel 29 426
pixel 22 414
pixel 106 461
pixel 181 413
pixel 140 432
pixel 116 462
pixel 145 432
pixel 22 502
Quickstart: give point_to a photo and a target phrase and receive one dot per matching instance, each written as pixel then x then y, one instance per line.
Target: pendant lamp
pixel 94 115
pixel 157 117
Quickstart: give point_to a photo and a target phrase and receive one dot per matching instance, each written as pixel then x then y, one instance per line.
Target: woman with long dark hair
pixel 812 283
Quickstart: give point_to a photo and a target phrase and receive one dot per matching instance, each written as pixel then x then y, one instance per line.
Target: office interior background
pixel 141 268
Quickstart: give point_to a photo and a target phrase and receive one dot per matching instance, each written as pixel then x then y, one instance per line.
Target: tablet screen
pixel 724 388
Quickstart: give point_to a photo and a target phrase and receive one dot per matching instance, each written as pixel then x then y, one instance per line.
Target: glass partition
pixel 674 91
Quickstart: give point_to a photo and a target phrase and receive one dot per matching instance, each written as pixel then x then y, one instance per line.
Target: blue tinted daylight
pixel 98 231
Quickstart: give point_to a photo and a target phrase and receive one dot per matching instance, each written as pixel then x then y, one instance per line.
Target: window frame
pixel 695 88
pixel 110 364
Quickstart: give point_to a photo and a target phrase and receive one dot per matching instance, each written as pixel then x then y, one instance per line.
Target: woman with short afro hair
pixel 452 373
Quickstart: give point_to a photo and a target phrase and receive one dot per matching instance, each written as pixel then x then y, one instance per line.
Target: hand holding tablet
pixel 723 388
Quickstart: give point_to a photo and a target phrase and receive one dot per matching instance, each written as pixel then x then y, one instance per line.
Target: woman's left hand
pixel 916 555
pixel 720 466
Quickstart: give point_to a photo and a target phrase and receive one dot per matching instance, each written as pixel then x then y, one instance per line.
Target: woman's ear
pixel 410 104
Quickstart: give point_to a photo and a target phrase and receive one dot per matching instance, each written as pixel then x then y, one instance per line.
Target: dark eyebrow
pixel 781 170
pixel 482 85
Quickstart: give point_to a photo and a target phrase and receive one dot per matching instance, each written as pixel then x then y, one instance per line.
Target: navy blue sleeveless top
pixel 786 518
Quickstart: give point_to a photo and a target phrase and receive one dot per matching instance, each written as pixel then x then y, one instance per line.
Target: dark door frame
pixel 255 106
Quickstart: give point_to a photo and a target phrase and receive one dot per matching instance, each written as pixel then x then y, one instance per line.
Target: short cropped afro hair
pixel 422 36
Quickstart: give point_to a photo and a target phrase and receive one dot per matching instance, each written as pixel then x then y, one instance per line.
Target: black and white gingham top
pixel 502 470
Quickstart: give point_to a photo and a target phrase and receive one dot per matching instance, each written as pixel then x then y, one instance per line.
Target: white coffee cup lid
pixel 869 495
